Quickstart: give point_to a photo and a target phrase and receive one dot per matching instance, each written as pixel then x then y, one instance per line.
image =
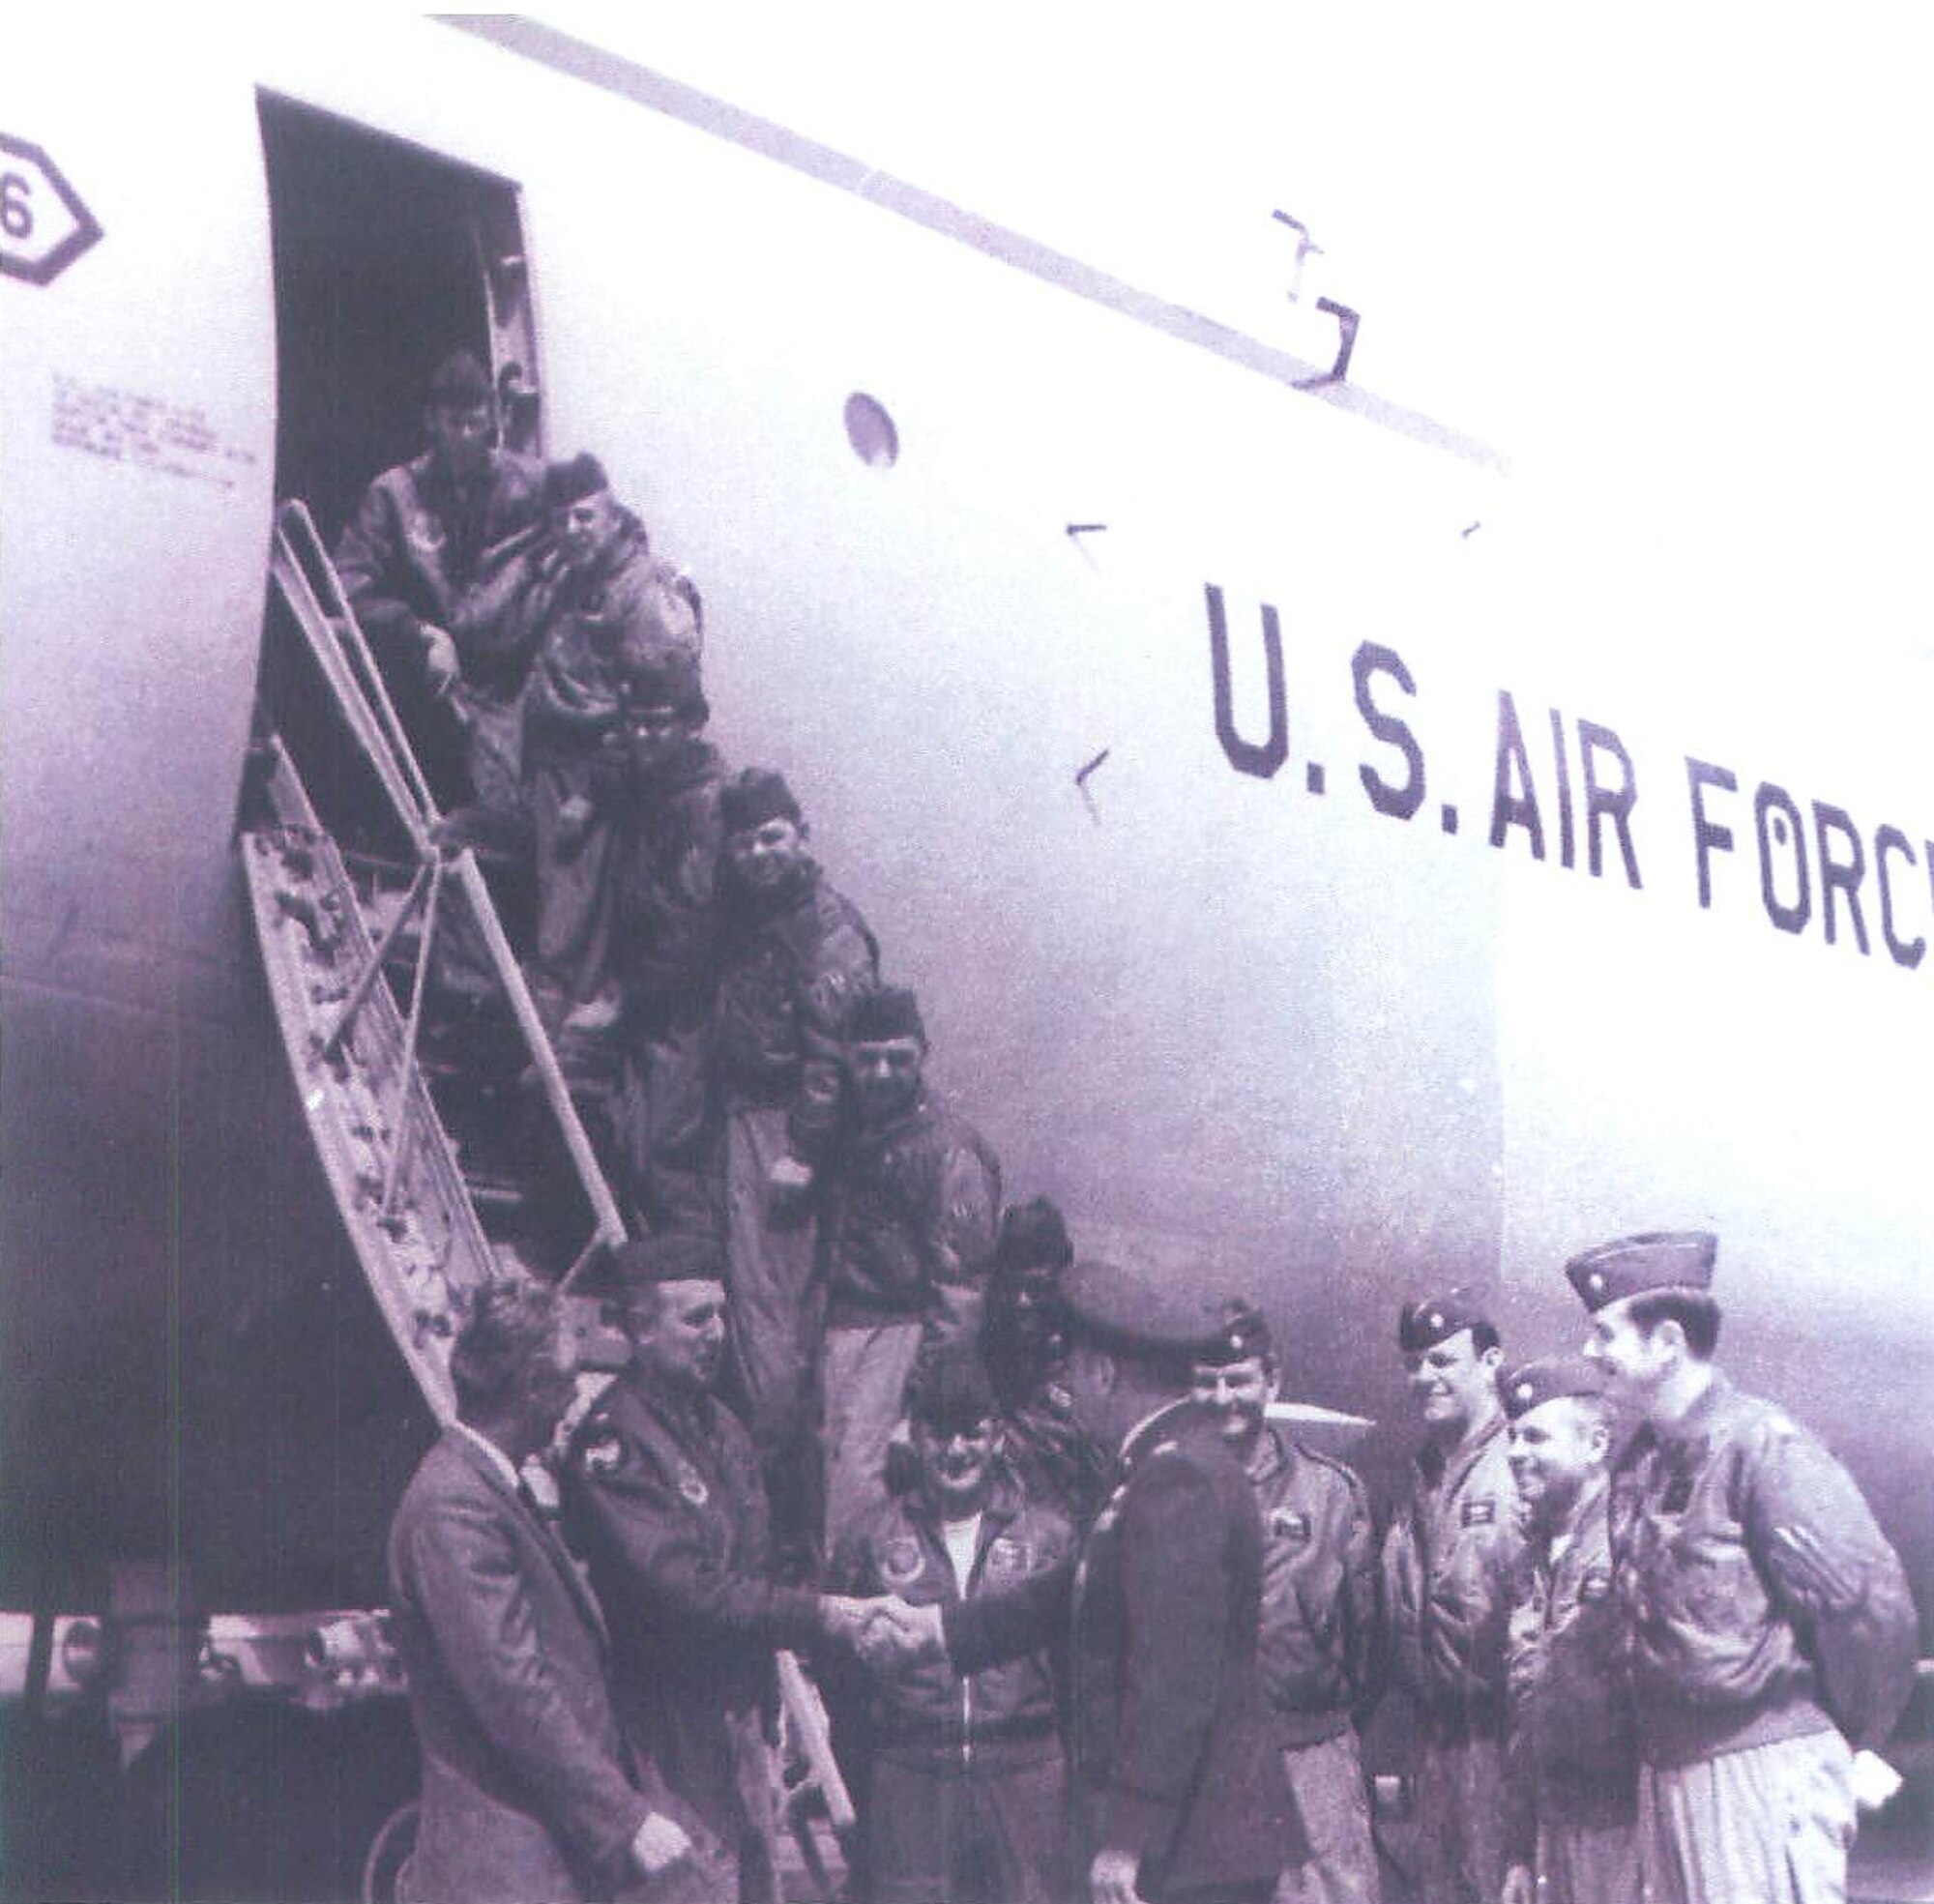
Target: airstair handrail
pixel 298 529
pixel 313 592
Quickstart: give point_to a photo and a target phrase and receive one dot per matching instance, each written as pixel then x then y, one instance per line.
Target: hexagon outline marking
pixel 86 230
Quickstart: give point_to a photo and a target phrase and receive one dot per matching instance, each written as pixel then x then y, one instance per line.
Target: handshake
pixel 886 1633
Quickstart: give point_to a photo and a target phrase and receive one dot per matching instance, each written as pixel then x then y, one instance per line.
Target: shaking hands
pixel 887 1632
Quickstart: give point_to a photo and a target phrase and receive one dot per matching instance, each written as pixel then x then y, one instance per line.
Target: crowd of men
pixel 1088 1623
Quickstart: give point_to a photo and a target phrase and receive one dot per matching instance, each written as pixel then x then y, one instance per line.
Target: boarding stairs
pixel 445 1125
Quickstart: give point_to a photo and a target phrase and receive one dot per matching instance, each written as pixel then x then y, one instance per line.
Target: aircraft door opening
pixel 387 257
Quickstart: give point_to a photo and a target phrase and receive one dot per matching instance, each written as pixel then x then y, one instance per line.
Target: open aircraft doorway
pixel 387 257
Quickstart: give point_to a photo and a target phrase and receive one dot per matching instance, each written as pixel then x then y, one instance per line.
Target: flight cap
pixel 669 680
pixel 888 1011
pixel 569 482
pixel 666 1256
pixel 1034 1236
pixel 1242 1331
pixel 754 797
pixel 1436 1318
pixel 1659 1259
pixel 1132 1310
pixel 460 382
pixel 949 1391
pixel 1532 1384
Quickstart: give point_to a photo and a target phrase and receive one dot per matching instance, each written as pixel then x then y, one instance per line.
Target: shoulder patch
pixel 691 1484
pixel 1479 1512
pixel 901 1562
pixel 602 1452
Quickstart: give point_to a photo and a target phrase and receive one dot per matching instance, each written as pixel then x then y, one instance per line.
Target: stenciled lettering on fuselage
pixel 1565 790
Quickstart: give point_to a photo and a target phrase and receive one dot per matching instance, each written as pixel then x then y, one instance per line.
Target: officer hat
pixel 754 797
pixel 1660 1259
pixel 949 1391
pixel 1436 1318
pixel 668 680
pixel 1033 1236
pixel 569 482
pixel 887 1012
pixel 460 383
pixel 666 1256
pixel 1131 1310
pixel 1532 1384
pixel 1242 1331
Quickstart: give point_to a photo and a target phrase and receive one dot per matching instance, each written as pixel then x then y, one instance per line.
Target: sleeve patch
pixel 603 1454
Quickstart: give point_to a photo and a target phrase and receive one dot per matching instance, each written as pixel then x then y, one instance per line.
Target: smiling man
pixel 915 1198
pixel 1772 1635
pixel 1572 1806
pixel 1448 1562
pixel 793 954
pixel 433 563
pixel 663 1498
pixel 967 1778
pixel 1180 1792
pixel 1318 1611
pixel 601 609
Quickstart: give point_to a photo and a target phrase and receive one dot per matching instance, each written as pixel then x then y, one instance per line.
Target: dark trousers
pixel 981 1836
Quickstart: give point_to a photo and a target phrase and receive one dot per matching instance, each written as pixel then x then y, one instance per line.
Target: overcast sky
pixel 1670 262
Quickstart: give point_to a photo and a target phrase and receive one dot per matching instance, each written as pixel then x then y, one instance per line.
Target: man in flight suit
pixel 915 1194
pixel 1448 1561
pixel 601 609
pixel 528 1791
pixel 1179 1790
pixel 665 937
pixel 1319 1611
pixel 792 957
pixel 433 564
pixel 968 1780
pixel 1571 1758
pixel 663 1498
pixel 1771 1635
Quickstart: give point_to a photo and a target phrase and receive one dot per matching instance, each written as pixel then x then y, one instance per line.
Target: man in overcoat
pixel 528 1792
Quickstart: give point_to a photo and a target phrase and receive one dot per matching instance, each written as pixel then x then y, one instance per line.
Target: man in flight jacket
pixel 1180 1789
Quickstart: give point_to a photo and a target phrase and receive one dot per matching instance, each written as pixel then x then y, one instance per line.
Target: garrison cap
pixel 1660 1259
pixel 887 1012
pixel 1436 1318
pixel 1131 1309
pixel 1242 1331
pixel 571 481
pixel 667 681
pixel 949 1391
pixel 668 1256
pixel 754 797
pixel 1034 1236
pixel 1532 1384
pixel 460 383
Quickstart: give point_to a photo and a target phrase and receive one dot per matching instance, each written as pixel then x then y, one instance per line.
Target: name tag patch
pixel 1595 1584
pixel 1482 1513
pixel 1007 1555
pixel 1286 1523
